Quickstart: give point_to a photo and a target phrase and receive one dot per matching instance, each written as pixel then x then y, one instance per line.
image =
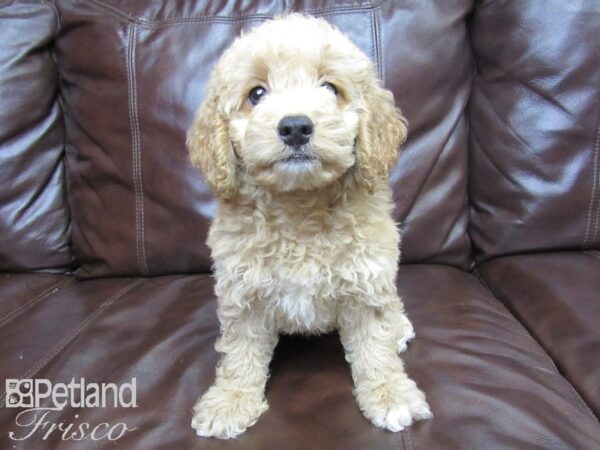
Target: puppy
pixel 296 137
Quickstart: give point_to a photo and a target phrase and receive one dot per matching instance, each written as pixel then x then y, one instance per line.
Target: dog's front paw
pixel 226 413
pixel 393 405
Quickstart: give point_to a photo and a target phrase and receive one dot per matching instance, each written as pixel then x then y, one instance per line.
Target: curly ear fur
pixel 381 130
pixel 211 150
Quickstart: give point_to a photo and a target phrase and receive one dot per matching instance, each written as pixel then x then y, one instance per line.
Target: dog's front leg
pixel 384 392
pixel 237 398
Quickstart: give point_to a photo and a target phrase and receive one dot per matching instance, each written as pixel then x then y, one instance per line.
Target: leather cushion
pixel 535 127
pixel 557 297
pixel 34 215
pixel 490 385
pixel 133 74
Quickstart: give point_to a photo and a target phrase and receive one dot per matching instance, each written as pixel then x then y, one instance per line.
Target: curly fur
pixel 302 247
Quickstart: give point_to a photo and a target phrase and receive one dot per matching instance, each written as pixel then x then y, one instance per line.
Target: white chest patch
pixel 300 300
pixel 296 302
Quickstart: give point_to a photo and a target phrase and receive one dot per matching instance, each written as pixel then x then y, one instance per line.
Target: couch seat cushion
pixel 489 383
pixel 557 297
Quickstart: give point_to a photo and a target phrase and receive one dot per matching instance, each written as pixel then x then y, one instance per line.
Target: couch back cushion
pixel 133 74
pixel 535 127
pixel 34 217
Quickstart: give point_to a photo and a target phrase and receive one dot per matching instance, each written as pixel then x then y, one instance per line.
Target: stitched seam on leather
pixel 139 222
pixel 225 20
pixel 136 153
pixel 122 16
pixel 377 43
pixel 246 19
pixel 139 165
pixel 35 300
pixel 373 56
pixel 596 148
pixel 48 357
pixel 593 253
pixel 589 235
pixel 131 129
pixel 118 14
pixel 131 40
pixel 406 440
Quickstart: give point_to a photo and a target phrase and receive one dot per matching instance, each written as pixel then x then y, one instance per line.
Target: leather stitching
pixel 122 16
pixel 593 253
pixel 406 440
pixel 589 233
pixel 35 300
pixel 136 154
pixel 57 349
pixel 596 149
pixel 131 128
pixel 139 164
pixel 376 44
pixel 373 56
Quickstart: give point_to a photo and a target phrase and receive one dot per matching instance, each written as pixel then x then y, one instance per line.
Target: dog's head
pixel 294 105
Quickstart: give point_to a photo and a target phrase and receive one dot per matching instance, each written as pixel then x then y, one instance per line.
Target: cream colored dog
pixel 297 137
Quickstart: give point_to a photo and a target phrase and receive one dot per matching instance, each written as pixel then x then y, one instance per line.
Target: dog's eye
pixel 256 94
pixel 331 87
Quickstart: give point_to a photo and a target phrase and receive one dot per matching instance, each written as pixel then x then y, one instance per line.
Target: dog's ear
pixel 382 129
pixel 211 150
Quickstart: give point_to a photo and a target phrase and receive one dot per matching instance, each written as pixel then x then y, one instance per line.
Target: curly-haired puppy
pixel 296 137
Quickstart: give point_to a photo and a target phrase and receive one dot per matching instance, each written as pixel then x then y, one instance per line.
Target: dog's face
pixel 294 130
pixel 294 105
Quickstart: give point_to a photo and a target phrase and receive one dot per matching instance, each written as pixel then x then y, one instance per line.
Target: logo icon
pixel 20 393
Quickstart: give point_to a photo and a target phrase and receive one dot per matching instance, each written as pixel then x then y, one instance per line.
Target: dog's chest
pixel 305 286
pixel 307 278
pixel 302 270
pixel 301 304
pixel 299 277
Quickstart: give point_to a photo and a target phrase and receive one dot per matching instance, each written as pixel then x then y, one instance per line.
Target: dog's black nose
pixel 295 130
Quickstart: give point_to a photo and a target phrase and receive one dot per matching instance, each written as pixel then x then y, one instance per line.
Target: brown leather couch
pixel 106 277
